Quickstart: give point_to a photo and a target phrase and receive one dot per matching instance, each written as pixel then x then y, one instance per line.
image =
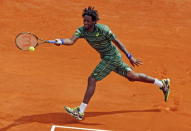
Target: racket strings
pixel 25 40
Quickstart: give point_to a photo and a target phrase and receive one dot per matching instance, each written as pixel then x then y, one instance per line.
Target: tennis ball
pixel 31 48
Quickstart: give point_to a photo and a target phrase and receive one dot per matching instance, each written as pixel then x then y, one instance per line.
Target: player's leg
pixel 164 84
pixel 100 72
pixel 90 90
pixel 127 72
pixel 133 76
pixel 78 112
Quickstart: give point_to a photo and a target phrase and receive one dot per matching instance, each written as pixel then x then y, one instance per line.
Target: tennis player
pixel 103 40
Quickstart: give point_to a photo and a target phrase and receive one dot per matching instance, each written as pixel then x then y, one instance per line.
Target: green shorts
pixel 108 64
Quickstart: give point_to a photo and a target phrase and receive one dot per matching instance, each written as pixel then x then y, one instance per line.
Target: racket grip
pixel 51 41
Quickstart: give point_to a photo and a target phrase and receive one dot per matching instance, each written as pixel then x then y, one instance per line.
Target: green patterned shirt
pixel 100 39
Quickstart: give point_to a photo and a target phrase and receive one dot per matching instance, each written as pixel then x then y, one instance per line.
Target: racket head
pixel 25 40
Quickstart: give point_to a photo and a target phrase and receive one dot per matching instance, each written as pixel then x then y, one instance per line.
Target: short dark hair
pixel 90 11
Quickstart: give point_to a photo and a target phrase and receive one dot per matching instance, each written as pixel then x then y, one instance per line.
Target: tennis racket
pixel 25 40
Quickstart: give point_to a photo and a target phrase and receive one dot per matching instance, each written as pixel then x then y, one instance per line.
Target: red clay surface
pixel 35 86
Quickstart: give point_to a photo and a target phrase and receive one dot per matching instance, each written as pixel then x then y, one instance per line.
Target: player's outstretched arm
pixel 66 41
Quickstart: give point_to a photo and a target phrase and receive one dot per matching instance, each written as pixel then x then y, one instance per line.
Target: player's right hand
pixel 58 42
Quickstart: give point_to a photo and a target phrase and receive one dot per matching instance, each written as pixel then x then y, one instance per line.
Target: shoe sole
pixel 72 114
pixel 168 92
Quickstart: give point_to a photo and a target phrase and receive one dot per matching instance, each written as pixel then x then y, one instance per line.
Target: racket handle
pixel 51 41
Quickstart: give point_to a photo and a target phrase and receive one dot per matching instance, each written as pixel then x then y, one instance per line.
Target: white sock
pixel 83 107
pixel 158 83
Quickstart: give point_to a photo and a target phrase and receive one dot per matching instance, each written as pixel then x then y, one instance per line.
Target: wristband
pixel 62 40
pixel 129 56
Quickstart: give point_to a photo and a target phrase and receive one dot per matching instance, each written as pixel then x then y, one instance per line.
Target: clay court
pixel 35 86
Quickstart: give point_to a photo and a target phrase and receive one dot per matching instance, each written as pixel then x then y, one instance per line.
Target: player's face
pixel 88 22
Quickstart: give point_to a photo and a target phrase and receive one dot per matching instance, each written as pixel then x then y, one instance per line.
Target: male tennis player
pixel 101 38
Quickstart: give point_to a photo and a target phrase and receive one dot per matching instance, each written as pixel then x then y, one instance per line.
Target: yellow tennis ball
pixel 31 48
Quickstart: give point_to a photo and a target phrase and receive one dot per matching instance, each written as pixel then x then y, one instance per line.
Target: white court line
pixel 53 128
pixel 75 128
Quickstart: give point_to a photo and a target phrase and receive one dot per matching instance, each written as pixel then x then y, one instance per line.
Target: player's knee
pixel 141 75
pixel 132 76
pixel 91 79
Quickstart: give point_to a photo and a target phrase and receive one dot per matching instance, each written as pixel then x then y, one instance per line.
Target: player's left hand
pixel 135 62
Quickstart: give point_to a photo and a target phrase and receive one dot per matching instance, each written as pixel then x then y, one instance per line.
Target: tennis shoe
pixel 75 112
pixel 166 88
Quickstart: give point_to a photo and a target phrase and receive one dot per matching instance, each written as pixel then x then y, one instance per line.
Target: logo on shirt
pixel 77 32
pixel 97 34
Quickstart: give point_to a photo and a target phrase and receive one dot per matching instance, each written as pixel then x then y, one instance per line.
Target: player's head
pixel 90 16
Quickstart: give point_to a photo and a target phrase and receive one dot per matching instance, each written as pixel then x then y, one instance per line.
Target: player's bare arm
pixel 66 41
pixel 132 60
